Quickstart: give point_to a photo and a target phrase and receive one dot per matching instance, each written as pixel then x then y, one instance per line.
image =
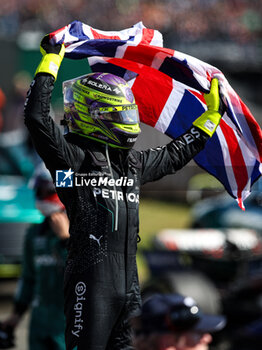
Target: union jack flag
pixel 168 86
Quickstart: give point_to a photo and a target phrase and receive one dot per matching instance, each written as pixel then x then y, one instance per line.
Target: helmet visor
pixel 124 114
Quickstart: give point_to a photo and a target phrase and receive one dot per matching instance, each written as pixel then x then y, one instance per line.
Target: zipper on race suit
pixel 112 176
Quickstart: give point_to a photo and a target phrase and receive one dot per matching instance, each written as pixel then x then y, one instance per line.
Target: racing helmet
pixel 101 106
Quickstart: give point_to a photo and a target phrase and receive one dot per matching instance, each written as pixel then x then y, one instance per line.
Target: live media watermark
pixel 67 178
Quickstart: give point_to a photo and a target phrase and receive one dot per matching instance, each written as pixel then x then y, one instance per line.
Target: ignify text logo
pixel 80 290
pixel 64 178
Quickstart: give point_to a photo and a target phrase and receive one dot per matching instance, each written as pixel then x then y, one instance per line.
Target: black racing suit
pixel 101 285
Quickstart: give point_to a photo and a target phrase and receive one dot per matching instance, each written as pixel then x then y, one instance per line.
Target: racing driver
pixel 101 285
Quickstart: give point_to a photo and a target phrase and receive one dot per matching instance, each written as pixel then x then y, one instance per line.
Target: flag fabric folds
pixel 168 86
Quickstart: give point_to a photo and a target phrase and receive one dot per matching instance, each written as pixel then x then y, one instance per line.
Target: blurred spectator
pixel 41 284
pixel 17 156
pixel 2 104
pixel 174 322
pixel 13 120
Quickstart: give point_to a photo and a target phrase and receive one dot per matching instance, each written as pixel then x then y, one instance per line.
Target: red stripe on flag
pixel 237 160
pixel 199 95
pixel 208 75
pixel 147 36
pixel 145 54
pixel 151 89
pixel 51 35
pixel 103 36
pixel 254 128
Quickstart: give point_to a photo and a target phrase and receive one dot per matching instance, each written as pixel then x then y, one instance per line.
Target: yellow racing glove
pixel 52 57
pixel 210 119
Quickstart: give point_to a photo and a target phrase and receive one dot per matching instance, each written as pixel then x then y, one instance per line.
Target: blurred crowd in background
pixel 238 21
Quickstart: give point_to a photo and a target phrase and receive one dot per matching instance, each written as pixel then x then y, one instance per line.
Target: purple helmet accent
pixel 129 94
pixel 109 78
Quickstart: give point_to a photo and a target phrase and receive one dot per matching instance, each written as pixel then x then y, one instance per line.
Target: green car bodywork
pixel 17 213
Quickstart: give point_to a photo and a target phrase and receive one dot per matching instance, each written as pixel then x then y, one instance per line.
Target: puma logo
pixel 96 239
